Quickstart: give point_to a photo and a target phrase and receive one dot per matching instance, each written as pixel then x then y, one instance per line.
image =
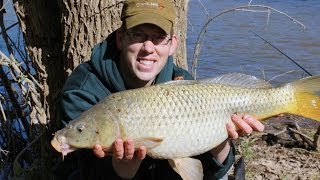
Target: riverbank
pixel 287 157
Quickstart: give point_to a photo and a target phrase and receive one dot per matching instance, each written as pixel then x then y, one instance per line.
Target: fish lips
pixel 62 147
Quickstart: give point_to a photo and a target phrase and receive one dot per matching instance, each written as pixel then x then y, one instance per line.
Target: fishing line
pixel 282 53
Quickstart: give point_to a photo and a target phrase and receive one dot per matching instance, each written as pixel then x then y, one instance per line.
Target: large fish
pixel 181 119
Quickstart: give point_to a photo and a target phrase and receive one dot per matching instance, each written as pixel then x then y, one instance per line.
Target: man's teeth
pixel 146 62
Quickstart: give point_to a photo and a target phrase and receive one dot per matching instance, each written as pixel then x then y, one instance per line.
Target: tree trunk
pixel 181 31
pixel 40 24
pixel 85 24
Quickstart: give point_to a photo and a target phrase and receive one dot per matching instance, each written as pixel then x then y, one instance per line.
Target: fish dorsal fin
pixel 182 82
pixel 148 142
pixel 238 79
pixel 187 168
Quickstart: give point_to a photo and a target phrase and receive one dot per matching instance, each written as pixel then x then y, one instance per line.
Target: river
pixel 231 46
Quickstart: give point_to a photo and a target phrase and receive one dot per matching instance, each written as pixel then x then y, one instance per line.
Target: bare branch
pixel 15 162
pixel 11 26
pixel 29 90
pixel 316 138
pixel 288 72
pixel 2 6
pixel 204 7
pixel 3 114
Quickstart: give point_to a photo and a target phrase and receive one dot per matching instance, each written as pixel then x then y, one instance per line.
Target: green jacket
pixel 89 83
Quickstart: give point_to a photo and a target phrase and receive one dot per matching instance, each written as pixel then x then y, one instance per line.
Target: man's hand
pixel 239 125
pixel 243 125
pixel 125 158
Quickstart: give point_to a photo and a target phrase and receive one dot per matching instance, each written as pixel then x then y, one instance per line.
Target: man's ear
pixel 119 36
pixel 173 46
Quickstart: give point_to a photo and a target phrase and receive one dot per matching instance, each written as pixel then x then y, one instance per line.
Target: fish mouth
pixel 62 147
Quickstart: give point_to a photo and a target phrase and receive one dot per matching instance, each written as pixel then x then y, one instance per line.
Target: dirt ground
pixel 278 153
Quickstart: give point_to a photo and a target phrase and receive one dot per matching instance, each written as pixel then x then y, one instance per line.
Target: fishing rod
pixel 282 53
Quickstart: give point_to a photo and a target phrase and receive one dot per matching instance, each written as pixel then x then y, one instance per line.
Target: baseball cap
pixel 158 12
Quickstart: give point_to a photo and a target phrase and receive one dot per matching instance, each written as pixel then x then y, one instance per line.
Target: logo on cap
pixel 151 5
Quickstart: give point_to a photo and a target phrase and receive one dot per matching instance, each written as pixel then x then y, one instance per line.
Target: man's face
pixel 144 52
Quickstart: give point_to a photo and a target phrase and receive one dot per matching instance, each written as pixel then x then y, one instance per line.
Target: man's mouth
pixel 146 65
pixel 146 62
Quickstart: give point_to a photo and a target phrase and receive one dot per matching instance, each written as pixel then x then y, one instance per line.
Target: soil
pixel 277 153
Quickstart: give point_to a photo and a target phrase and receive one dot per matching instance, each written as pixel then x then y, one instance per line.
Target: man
pixel 138 54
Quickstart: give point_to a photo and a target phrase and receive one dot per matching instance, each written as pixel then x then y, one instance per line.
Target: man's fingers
pixel 232 131
pixel 129 149
pixel 254 123
pixel 141 153
pixel 242 125
pixel 118 150
pixel 98 151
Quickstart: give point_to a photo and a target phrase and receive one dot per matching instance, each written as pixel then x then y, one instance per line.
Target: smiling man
pixel 145 49
pixel 138 54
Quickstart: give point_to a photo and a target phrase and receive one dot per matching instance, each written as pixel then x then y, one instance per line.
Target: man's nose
pixel 148 46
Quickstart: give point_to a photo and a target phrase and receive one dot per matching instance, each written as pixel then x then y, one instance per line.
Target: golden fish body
pixel 191 119
pixel 182 119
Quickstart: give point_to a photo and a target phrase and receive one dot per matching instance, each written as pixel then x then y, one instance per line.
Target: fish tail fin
pixel 307 93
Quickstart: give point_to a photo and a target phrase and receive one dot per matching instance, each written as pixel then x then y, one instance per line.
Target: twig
pixel 2 7
pixel 37 112
pixel 5 152
pixel 284 130
pixel 15 162
pixel 280 75
pixel 304 137
pixel 204 7
pixel 2 111
pixel 11 26
pixel 316 138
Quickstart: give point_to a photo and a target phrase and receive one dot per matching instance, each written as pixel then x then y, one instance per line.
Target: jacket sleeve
pixel 81 91
pixel 212 169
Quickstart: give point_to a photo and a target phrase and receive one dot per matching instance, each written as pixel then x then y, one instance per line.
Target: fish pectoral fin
pixel 148 142
pixel 187 168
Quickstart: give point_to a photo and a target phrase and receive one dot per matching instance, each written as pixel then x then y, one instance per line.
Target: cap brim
pixel 148 18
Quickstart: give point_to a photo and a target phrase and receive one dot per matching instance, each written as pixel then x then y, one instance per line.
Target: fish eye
pixel 80 127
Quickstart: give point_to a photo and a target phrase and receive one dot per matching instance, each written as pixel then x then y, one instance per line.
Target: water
pixel 14 33
pixel 230 46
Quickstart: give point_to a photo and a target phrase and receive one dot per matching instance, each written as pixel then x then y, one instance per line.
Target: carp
pixel 181 119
